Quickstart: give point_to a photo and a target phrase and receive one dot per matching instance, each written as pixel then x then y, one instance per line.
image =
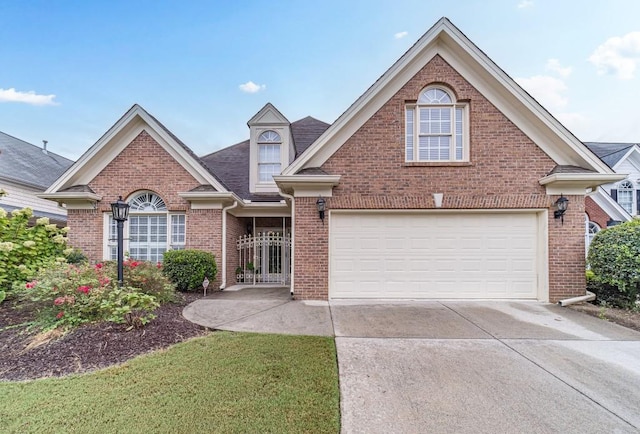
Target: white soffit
pixel 448 41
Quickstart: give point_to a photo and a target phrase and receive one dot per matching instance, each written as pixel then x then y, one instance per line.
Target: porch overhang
pixel 73 199
pixel 209 199
pixel 307 185
pixel 577 183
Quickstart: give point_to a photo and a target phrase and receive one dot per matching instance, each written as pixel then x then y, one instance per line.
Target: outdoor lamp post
pixel 120 211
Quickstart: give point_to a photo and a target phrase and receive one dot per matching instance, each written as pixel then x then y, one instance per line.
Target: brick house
pixel 614 202
pixel 438 182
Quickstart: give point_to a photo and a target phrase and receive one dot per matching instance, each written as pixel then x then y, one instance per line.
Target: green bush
pixel 614 259
pixel 188 268
pixel 67 295
pixel 25 249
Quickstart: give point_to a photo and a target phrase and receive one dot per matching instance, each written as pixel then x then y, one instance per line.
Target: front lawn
pixel 225 382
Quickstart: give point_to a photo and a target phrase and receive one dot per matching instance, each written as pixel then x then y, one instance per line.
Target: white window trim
pixel 631 190
pixel 107 244
pixel 416 128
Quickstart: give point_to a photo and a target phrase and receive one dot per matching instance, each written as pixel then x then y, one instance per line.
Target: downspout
pixel 293 236
pixel 224 243
pixel 567 301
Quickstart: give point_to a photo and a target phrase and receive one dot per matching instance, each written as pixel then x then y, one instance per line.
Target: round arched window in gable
pixel 435 95
pixel 147 202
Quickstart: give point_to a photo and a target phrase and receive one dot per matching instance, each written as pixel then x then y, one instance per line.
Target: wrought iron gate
pixel 264 258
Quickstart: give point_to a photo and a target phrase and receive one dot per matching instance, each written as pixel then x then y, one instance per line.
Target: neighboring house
pixel 27 170
pixel 616 201
pixel 438 182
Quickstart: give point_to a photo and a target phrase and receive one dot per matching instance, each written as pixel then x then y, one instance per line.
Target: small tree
pixel 25 249
pixel 188 268
pixel 614 258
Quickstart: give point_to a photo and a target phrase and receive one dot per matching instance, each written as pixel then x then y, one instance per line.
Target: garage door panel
pixel 413 255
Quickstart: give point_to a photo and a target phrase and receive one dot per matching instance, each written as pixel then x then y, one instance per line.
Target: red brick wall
pixel 595 213
pixel 504 169
pixel 311 251
pixel 85 232
pixel 236 226
pixel 145 165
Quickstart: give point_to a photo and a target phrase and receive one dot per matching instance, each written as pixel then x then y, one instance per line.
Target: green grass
pixel 225 382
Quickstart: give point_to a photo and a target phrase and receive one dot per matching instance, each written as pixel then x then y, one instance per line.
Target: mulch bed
pixel 626 318
pixel 25 354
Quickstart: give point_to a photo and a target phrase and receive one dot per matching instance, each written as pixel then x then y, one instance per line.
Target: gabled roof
pixel 136 119
pixel 446 40
pixel 231 164
pixel 610 153
pixel 27 164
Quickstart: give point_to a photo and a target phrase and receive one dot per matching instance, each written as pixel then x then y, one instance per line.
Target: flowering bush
pixel 25 249
pixel 69 295
pixel 144 275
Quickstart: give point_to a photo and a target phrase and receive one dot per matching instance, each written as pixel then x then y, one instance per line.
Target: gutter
pixel 293 236
pixel 567 301
pixel 223 285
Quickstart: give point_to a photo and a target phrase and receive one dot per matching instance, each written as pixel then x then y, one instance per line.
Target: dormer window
pixel 625 195
pixel 436 128
pixel 269 162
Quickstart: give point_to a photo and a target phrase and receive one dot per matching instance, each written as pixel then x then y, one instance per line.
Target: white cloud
pixel 548 91
pixel 400 35
pixel 618 55
pixel 554 66
pixel 251 87
pixel 30 97
pixel 525 4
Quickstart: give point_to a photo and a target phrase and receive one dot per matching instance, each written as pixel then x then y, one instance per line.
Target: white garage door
pixel 448 255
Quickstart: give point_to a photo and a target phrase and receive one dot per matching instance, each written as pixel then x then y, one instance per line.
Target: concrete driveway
pixel 459 367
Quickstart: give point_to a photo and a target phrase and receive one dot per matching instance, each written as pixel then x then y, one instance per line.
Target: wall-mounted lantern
pixel 560 207
pixel 321 204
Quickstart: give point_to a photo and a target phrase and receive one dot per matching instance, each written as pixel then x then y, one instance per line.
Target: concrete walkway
pixel 457 366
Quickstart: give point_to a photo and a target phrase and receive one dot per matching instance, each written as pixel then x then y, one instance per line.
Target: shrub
pixel 614 259
pixel 68 295
pixel 188 268
pixel 146 276
pixel 25 249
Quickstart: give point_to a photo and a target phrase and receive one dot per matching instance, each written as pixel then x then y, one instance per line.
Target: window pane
pixel 267 171
pixel 177 231
pixel 459 137
pixel 409 134
pixel 269 154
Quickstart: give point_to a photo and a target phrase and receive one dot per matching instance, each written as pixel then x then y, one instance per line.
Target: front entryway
pixel 264 258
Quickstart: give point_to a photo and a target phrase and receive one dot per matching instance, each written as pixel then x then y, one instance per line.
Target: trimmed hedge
pixel 188 268
pixel 614 259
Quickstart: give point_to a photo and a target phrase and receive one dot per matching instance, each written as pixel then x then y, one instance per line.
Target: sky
pixel 69 69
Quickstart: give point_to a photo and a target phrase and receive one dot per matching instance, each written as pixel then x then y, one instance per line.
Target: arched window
pixel 625 195
pixel 591 229
pixel 269 164
pixel 151 229
pixel 435 127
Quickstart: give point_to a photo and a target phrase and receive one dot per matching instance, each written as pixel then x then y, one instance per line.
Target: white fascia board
pixel 577 183
pixel 262 209
pixel 355 116
pixel 308 185
pixel 210 196
pixel 632 151
pixel 610 206
pixel 445 39
pixel 96 158
pixel 516 104
pixel 75 195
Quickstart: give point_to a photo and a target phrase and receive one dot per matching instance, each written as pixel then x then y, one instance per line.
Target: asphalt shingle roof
pixel 231 165
pixel 28 164
pixel 610 153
